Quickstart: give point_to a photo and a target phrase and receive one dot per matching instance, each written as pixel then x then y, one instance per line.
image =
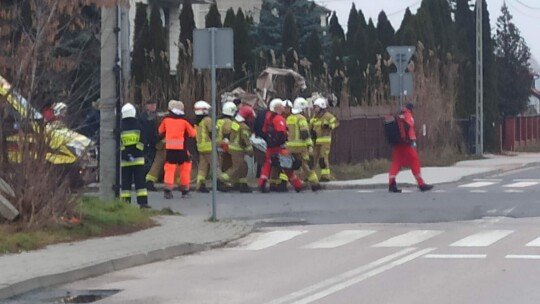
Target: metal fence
pixel 520 131
pixel 359 139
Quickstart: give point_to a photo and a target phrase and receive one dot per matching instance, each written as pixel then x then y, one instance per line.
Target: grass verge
pixel 97 219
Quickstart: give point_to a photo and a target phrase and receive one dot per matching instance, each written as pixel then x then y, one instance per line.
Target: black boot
pixel 425 187
pixel 167 194
pixel 393 188
pixel 316 187
pixel 263 188
pixel 185 194
pixel 203 189
pixel 221 186
pixel 150 186
pixel 282 187
pixel 244 188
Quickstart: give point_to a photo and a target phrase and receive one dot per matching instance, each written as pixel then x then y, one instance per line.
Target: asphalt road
pixel 477 262
pixel 511 195
pixel 477 241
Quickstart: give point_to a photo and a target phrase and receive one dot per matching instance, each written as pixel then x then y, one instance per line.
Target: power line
pixel 404 9
pixel 527 5
pixel 520 11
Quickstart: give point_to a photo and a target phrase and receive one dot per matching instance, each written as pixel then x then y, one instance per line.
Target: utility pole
pixel 114 77
pixel 479 81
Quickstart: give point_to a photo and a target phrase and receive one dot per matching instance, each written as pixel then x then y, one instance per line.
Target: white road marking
pixel 534 243
pixel 478 191
pixel 491 211
pixel 339 239
pixel 523 256
pixel 408 239
pixel 482 239
pixel 487 180
pixel 477 184
pixel 527 180
pixel 365 191
pixel 521 184
pixel 344 276
pixel 270 239
pixel 455 256
pixel 406 191
pixel 439 191
pixel 362 277
pixel 513 191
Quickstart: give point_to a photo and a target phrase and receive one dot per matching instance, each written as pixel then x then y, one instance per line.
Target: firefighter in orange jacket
pixel 175 128
pixel 405 155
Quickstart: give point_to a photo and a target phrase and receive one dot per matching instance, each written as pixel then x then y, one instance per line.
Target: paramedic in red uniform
pixel 275 133
pixel 406 155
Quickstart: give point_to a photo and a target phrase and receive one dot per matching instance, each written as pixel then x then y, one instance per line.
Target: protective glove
pixel 225 145
pixel 413 144
pixel 326 126
pixel 310 150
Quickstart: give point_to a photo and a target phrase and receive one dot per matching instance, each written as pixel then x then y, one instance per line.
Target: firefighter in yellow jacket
pixel 204 142
pixel 299 143
pixel 321 125
pixel 239 146
pixel 223 127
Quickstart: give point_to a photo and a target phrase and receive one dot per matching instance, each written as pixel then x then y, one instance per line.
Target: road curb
pixel 138 259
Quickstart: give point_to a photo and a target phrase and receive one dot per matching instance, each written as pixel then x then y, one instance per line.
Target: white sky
pixel 526 15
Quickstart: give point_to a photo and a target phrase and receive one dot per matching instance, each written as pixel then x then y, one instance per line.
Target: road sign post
pixel 401 83
pixel 206 56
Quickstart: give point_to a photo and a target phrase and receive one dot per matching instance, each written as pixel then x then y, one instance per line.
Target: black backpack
pixel 396 130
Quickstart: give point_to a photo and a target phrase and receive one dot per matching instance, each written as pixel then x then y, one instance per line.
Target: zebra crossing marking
pixel 482 239
pixel 455 256
pixel 339 239
pixel 271 238
pixel 477 184
pixel 522 184
pixel 409 239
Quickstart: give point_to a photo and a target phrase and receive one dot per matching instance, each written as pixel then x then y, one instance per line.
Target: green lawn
pixel 96 219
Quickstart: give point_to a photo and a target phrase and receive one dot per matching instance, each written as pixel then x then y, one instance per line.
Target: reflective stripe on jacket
pixel 298 131
pixel 131 143
pixel 317 124
pixel 176 128
pixel 204 128
pixel 239 141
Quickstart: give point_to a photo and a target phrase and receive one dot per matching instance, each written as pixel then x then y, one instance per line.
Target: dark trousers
pixel 135 174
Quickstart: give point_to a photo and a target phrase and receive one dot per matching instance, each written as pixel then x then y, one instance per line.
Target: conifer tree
pixel 213 18
pixel 187 22
pixel 229 18
pixel 289 40
pixel 512 57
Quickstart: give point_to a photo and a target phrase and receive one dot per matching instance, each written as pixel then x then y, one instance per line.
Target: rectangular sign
pixel 406 87
pixel 223 48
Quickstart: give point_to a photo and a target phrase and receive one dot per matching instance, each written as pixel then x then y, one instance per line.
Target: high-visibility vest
pixel 239 141
pixel 323 135
pixel 204 142
pixel 298 132
pixel 131 145
pixel 223 127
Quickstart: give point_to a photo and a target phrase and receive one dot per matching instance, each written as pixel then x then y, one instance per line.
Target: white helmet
pixel 288 103
pixel 128 111
pixel 58 108
pixel 275 103
pixel 300 104
pixel 202 107
pixel 320 102
pixel 229 108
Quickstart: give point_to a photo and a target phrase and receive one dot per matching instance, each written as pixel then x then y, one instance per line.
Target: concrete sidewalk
pixel 179 235
pixel 490 165
pixel 62 263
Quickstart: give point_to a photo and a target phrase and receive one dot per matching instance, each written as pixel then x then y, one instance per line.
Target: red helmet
pixel 247 113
